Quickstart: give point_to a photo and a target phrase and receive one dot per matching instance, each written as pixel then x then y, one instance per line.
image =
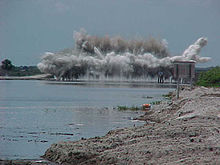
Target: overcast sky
pixel 28 28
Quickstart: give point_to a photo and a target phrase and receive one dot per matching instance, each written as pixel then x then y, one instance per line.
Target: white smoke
pixel 115 64
pixel 192 52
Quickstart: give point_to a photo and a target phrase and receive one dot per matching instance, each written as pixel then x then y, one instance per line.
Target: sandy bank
pixel 183 131
pixel 35 77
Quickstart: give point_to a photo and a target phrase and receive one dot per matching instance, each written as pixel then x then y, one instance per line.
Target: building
pixel 184 71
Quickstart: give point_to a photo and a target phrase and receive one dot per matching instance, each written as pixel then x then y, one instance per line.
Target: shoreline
pixel 91 82
pixel 179 131
pixel 35 77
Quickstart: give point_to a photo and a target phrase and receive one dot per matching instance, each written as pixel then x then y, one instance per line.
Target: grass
pixel 132 108
pixel 135 108
pixel 155 102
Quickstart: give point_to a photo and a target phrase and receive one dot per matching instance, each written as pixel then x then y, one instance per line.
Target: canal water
pixel 35 114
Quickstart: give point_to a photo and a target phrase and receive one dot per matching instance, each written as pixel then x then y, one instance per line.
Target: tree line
pixel 8 69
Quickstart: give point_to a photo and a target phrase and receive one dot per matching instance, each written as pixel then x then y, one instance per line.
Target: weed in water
pixel 132 108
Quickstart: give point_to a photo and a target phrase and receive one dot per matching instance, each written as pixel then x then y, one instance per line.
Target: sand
pixel 35 77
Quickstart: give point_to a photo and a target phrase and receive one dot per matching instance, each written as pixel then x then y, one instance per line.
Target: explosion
pixel 115 57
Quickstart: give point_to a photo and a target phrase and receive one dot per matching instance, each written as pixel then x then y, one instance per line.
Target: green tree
pixel 6 64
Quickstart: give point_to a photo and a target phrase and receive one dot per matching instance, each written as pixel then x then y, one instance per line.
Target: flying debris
pixel 92 60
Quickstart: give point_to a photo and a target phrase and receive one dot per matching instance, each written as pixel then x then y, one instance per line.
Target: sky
pixel 28 28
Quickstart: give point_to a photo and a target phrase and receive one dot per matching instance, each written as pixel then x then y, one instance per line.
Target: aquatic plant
pixel 132 108
pixel 155 102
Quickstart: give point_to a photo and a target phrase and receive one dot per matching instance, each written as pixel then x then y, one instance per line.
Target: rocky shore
pixel 178 131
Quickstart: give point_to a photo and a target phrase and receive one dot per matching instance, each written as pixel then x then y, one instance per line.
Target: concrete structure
pixel 184 70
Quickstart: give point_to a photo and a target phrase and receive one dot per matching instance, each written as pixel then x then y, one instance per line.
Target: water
pixel 35 114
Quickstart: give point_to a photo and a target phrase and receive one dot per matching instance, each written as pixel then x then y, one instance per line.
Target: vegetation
pixel 210 78
pixel 8 69
pixel 155 102
pixel 132 108
pixel 6 64
pixel 168 96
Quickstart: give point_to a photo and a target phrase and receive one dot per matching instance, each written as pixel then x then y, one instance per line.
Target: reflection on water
pixel 35 114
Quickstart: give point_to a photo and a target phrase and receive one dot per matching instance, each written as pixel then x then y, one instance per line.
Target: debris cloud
pixel 109 57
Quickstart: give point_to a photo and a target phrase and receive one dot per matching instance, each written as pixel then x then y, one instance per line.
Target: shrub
pixel 210 78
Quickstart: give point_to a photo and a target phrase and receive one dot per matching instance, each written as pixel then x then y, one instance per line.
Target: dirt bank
pixel 183 131
pixel 35 77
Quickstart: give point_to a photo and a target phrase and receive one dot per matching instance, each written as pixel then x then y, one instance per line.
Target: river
pixel 35 114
